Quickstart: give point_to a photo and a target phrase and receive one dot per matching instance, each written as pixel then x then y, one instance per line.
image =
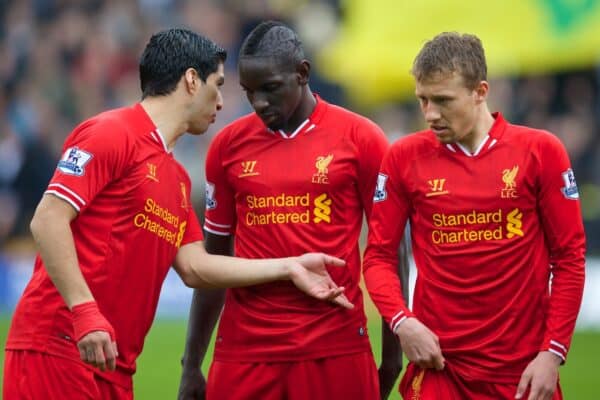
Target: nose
pixel 220 101
pixel 430 112
pixel 259 103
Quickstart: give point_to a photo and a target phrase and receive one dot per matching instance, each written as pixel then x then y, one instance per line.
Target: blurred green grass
pixel 159 365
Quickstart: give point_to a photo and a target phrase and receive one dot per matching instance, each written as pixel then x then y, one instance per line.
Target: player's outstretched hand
pixel 95 336
pixel 420 344
pixel 192 385
pixel 541 376
pixel 309 274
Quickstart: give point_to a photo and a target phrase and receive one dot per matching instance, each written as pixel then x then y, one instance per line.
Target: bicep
pixel 186 256
pixel 53 209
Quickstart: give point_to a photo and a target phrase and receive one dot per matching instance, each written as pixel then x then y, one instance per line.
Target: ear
pixel 191 80
pixel 303 71
pixel 481 91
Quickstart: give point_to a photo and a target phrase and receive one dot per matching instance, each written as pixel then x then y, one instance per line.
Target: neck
pixel 166 114
pixel 304 110
pixel 482 127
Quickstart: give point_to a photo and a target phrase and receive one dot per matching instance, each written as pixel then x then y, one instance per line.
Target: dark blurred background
pixel 62 61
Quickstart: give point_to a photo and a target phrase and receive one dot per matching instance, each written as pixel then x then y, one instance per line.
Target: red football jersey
pixel 133 200
pixel 283 195
pixel 488 231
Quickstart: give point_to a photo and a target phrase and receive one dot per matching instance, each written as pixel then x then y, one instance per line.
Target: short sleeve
pixel 95 154
pixel 219 216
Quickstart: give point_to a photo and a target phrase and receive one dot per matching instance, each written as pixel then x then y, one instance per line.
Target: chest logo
pixel 436 187
pixel 510 187
pixel 248 169
pixel 322 165
pixel 151 172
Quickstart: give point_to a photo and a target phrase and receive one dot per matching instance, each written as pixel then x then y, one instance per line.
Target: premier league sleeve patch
pixel 211 203
pixel 380 192
pixel 73 161
pixel 569 190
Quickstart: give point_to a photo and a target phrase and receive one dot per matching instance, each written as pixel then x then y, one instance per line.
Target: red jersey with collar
pixel 134 213
pixel 488 232
pixel 283 195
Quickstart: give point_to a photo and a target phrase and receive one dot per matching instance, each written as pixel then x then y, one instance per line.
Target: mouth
pixel 438 130
pixel 268 118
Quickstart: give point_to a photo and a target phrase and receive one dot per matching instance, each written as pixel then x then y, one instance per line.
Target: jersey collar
pixel 309 123
pixel 495 133
pixel 150 128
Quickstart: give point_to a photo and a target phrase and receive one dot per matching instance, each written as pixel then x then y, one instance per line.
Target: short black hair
pixel 273 39
pixel 170 53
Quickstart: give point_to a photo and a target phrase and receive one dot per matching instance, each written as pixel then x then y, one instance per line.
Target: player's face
pixel 449 107
pixel 273 90
pixel 208 101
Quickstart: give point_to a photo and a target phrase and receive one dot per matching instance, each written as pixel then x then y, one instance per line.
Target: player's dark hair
pixel 170 53
pixel 452 52
pixel 273 39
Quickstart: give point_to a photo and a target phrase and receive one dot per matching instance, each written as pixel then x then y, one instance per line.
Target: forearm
pixel 54 239
pixel 215 271
pixel 204 312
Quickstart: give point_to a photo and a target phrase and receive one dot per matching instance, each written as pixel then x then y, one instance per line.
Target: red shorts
pixel 348 377
pixel 31 375
pixel 429 384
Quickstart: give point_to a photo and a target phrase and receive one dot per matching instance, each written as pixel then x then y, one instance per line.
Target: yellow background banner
pixel 378 40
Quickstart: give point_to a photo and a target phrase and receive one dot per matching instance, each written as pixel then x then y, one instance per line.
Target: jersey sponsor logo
pixel 322 165
pixel 322 210
pixel 510 187
pixel 248 169
pixel 160 221
pixel 476 226
pixel 73 161
pixel 279 209
pixel 436 187
pixel 209 191
pixel 151 172
pixel 514 223
pixel 570 190
pixel 380 192
pixel 287 209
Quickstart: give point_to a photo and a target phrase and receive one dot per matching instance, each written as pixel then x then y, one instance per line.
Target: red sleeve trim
pixel 66 194
pixel 558 349
pixel 217 229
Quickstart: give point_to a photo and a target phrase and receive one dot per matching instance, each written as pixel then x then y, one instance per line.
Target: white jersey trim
pixel 477 151
pixel 296 131
pixel 158 137
pixel 562 357
pixel 69 191
pixel 218 225
pixel 220 233
pixel 555 343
